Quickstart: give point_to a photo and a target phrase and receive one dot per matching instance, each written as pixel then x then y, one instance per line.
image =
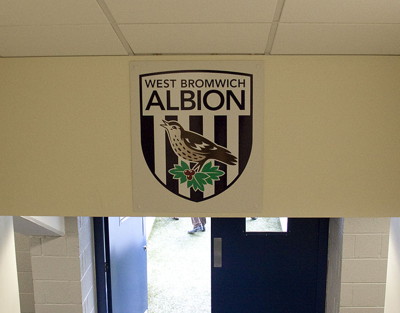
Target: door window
pixel 266 224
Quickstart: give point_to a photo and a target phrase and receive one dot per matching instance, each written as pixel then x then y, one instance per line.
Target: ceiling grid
pixel 136 27
pixel 115 27
pixel 274 26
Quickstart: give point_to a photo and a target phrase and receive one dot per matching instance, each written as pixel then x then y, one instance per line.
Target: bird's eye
pixel 173 127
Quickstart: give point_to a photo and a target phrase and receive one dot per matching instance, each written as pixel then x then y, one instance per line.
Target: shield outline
pixel 144 130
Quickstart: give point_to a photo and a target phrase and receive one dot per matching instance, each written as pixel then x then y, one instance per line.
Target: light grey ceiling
pixel 129 27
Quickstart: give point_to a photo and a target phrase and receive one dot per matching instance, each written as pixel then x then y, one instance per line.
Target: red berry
pixel 189 174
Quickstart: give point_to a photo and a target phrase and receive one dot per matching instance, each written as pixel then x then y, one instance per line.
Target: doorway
pixel 259 271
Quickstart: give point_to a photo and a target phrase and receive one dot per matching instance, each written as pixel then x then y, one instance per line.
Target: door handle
pixel 217 252
pixel 145 248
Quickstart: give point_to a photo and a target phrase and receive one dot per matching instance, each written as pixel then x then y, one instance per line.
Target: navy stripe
pixel 196 125
pixel 170 159
pixel 147 138
pixel 245 140
pixel 220 136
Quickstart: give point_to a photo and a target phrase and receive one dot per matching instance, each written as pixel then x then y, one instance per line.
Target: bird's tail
pixel 225 156
pixel 230 159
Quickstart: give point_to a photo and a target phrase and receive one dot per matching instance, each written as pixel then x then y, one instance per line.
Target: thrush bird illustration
pixel 195 148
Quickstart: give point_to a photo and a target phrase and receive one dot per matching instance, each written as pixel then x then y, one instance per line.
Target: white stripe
pixel 183 189
pixel 208 132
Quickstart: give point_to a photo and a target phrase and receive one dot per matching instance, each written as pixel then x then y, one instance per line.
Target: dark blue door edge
pixel 322 264
pixel 102 257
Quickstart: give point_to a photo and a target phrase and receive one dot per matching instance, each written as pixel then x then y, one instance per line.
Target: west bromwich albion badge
pixel 196 129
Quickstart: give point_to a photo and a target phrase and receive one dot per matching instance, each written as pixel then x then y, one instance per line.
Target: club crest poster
pixel 197 137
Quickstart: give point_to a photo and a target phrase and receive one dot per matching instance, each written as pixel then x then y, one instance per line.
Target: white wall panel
pixel 9 291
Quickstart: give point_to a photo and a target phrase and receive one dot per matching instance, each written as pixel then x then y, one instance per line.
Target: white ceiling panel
pixel 192 11
pixel 109 27
pixel 337 39
pixel 59 40
pixel 197 38
pixel 50 12
pixel 341 11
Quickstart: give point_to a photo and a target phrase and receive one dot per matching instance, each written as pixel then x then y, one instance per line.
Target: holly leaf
pixel 213 172
pixel 198 181
pixel 209 180
pixel 178 170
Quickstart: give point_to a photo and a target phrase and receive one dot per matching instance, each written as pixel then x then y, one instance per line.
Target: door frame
pixel 102 261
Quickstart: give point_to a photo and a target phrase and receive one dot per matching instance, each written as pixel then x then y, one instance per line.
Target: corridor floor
pixel 179 264
pixel 179 267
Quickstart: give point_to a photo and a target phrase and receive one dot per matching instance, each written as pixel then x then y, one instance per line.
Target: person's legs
pixel 197 224
pixel 196 221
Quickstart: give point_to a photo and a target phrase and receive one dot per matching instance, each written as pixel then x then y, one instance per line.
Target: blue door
pixel 269 272
pixel 128 264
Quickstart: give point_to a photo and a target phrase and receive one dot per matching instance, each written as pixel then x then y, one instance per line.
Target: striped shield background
pixel 231 128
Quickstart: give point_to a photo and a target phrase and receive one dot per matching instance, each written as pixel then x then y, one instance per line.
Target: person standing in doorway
pixel 198 225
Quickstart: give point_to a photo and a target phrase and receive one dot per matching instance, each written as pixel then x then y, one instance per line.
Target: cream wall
pixel 331 140
pixel 9 292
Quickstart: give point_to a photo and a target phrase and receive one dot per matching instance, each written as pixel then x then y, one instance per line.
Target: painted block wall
pixel 87 262
pixel 364 265
pixel 24 267
pixel 63 270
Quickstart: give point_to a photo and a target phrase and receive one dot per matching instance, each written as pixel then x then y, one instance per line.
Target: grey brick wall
pixel 24 268
pixel 63 269
pixel 364 265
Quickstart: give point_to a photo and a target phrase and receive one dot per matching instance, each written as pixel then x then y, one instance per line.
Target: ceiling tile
pixel 50 12
pixel 337 39
pixel 197 38
pixel 341 11
pixel 192 11
pixel 59 40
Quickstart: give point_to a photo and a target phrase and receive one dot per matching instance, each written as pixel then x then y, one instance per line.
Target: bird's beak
pixel 165 124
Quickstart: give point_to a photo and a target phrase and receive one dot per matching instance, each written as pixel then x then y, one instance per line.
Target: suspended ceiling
pixel 143 27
